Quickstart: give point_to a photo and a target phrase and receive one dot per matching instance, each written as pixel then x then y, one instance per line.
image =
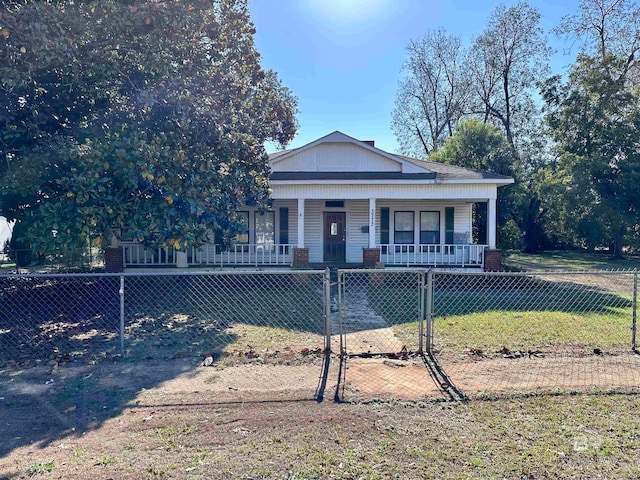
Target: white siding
pixel 337 157
pixel 357 217
pixel 469 192
pixel 293 219
pixel 313 229
pixel 462 220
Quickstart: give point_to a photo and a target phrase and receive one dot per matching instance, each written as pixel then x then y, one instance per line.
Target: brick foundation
pixel 493 261
pixel 114 260
pixel 370 257
pixel 300 258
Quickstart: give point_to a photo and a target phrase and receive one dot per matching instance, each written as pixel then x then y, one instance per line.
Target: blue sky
pixel 343 58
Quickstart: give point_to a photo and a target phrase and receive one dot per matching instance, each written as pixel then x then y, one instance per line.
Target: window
pixel 265 229
pixel 334 204
pixel 429 227
pixel 284 225
pixel 384 225
pixel 243 229
pixel 448 225
pixel 403 227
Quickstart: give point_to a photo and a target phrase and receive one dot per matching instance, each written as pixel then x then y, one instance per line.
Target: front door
pixel 334 237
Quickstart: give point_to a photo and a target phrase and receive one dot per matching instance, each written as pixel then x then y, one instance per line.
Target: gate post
pixel 327 309
pixel 429 312
pixel 421 313
pixel 341 312
pixel 634 310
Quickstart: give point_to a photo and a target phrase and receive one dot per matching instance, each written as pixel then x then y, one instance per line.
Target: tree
pixel 432 95
pixel 499 87
pixel 606 27
pixel 141 119
pixel 481 146
pixel 505 62
pixel 595 117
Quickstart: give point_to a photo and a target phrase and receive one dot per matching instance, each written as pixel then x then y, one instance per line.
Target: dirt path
pixel 365 331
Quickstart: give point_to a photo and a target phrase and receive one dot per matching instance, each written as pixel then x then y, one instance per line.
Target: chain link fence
pixel 435 335
pixel 511 333
pixel 397 333
pixel 79 260
pixel 381 325
pixel 220 320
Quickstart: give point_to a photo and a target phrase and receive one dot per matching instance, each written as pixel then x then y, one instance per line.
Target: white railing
pixel 136 254
pixel 246 254
pixel 434 255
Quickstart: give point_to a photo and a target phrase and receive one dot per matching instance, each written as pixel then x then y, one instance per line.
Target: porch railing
pixel 243 254
pixel 138 255
pixel 435 255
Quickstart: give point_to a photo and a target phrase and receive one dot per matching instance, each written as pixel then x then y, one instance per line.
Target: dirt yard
pixel 178 419
pixel 167 419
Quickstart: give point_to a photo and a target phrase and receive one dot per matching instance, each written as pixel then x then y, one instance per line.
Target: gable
pixel 336 157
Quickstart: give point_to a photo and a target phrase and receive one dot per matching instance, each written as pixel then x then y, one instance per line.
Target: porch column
pixel 300 223
pixel 372 223
pixel 300 254
pixel 371 255
pixel 491 223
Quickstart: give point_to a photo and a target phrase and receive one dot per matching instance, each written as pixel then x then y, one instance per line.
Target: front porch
pixel 350 232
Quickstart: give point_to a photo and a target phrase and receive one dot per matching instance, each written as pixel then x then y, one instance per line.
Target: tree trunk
pixel 618 237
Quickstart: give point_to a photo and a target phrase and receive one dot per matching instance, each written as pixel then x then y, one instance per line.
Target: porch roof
pixel 352 176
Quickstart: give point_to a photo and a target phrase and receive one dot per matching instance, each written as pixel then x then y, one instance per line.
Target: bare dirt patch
pixel 470 375
pixel 532 374
pixel 384 378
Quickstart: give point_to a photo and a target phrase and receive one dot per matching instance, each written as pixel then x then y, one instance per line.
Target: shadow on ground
pixel 61 368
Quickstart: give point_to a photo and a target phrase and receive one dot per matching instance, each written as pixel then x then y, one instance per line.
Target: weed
pixel 78 452
pixel 38 468
pixel 105 460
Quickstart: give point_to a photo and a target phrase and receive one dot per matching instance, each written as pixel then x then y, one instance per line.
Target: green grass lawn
pixel 567 260
pixel 491 331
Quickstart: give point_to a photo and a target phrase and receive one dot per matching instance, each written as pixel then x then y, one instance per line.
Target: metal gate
pixel 382 331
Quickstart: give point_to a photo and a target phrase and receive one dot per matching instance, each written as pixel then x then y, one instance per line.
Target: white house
pixel 342 201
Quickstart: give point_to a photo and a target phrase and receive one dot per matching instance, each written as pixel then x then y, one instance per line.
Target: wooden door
pixel 335 245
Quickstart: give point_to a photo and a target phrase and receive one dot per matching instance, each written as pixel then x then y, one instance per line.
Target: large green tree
pixel 481 146
pixel 595 117
pixel 144 119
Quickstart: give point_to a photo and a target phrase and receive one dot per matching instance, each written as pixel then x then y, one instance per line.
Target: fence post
pixel 634 310
pixel 429 312
pixel 341 312
pixel 421 314
pixel 327 309
pixel 121 292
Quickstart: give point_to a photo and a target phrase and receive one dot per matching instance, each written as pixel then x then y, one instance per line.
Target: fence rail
pixel 395 333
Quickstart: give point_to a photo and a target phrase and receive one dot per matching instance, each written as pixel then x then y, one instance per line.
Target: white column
pixel 491 223
pixel 372 223
pixel 300 223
